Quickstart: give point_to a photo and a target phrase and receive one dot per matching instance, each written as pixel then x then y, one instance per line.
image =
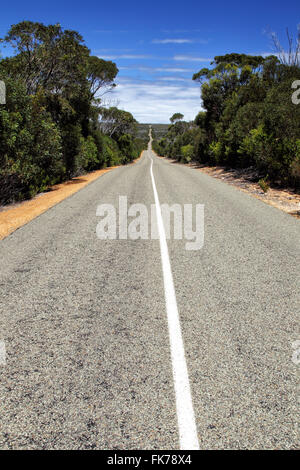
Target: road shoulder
pixel 16 215
pixel 285 200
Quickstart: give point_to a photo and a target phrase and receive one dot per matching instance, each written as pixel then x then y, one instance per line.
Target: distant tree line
pixel 53 125
pixel 249 118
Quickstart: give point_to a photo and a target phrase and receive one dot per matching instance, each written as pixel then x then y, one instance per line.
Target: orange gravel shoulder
pixel 16 215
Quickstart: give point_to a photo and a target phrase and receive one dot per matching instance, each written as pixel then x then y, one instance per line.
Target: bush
pixel 126 147
pixel 248 119
pixel 71 142
pixel 49 127
pixel 187 153
pixel 31 151
pixel 87 159
pixel 264 185
pixel 110 153
pixel 215 152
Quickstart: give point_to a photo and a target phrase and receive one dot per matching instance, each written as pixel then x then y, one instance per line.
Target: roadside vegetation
pixel 248 119
pixel 54 125
pixel 158 130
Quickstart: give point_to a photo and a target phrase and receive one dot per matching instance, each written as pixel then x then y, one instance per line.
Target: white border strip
pixel 185 412
pixel 2 353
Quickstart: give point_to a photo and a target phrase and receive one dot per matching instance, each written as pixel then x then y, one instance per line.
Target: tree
pixel 49 127
pixel 100 75
pixel 248 117
pixel 31 148
pixel 187 152
pixel 115 122
pixel 176 117
pixel 291 55
pixel 47 56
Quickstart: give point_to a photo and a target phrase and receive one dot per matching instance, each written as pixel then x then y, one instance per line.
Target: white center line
pixel 184 406
pixel 2 353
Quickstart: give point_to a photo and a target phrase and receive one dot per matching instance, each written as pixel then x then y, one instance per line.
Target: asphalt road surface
pixel 87 330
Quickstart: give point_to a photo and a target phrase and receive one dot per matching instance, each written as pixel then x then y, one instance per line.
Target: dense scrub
pixel 52 125
pixel 249 119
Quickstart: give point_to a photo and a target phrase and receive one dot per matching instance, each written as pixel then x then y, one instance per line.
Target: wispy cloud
pixel 178 58
pixel 112 51
pixel 267 54
pixel 173 41
pixel 187 58
pixel 111 31
pixel 156 69
pixel 174 78
pixel 126 56
pixel 156 101
pixel 181 31
pixel 173 69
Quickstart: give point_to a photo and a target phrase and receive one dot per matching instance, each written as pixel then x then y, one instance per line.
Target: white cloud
pixel 172 41
pixel 173 69
pixel 156 69
pixel 187 58
pixel 174 79
pixel 126 56
pixel 111 31
pixel 156 101
pixel 181 31
pixel 267 54
pixel 112 51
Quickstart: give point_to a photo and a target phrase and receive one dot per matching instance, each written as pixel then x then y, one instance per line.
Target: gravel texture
pixel 84 323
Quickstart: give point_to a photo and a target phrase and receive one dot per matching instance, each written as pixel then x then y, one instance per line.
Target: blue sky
pixel 158 45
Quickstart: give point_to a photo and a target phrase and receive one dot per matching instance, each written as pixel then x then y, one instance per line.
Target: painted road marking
pixel 2 353
pixel 184 405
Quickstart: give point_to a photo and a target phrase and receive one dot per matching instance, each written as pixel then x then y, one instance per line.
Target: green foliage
pixel 128 148
pixel 158 131
pixel 31 151
pixel 187 152
pixel 264 185
pixel 116 122
pixel 215 151
pixel 295 165
pixel 100 74
pixel 49 127
pixel 47 56
pixel 70 134
pixel 248 119
pixel 110 152
pixel 176 117
pixel 87 159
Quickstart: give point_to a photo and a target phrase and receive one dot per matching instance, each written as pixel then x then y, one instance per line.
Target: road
pixel 87 337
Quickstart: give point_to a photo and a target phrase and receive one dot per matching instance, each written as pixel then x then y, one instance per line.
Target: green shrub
pixel 87 159
pixel 215 152
pixel 110 153
pixel 187 153
pixel 31 150
pixel 125 143
pixel 264 185
pixel 49 127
